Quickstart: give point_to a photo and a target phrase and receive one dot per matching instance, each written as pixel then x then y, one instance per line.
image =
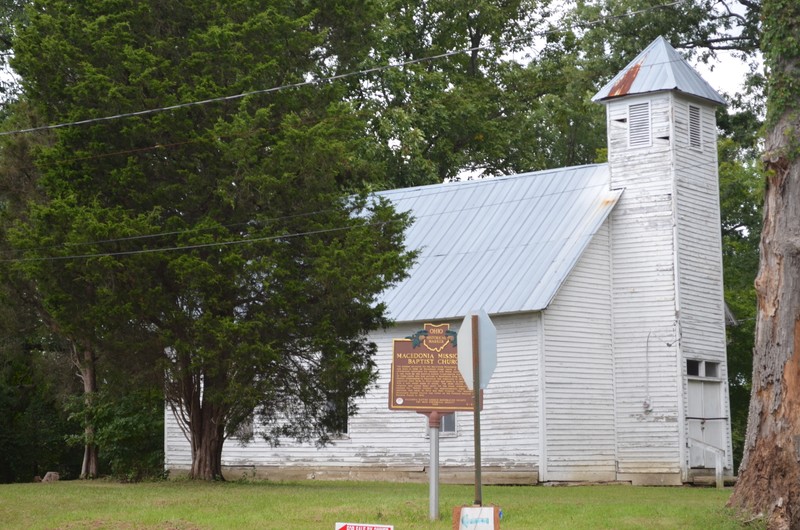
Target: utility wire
pixel 412 194
pixel 416 194
pixel 171 145
pixel 189 247
pixel 242 95
pixel 172 233
pixel 337 77
pixel 408 195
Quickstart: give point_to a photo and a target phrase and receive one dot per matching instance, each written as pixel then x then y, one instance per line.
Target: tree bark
pixel 88 374
pixel 204 422
pixel 207 436
pixel 769 477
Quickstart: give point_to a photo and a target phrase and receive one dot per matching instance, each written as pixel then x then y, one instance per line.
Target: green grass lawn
pixel 318 505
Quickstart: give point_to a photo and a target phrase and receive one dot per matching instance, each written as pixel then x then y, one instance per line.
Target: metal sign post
pixel 434 424
pixel 476 388
pixel 424 378
pixel 487 342
pixel 477 359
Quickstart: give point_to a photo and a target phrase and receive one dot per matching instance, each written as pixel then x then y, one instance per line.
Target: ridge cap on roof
pixel 479 181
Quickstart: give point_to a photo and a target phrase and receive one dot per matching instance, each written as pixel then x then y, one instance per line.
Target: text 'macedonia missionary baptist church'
pixel 604 283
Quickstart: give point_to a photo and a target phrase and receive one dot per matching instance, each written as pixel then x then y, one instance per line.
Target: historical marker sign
pixel 425 372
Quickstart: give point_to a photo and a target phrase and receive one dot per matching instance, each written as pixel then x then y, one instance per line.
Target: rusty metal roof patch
pixel 659 67
pixel 623 85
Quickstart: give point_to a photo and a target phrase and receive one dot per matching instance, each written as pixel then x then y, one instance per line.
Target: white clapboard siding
pixel 177 451
pixel 509 420
pixel 579 380
pixel 699 245
pixel 702 314
pixel 644 294
pixel 380 437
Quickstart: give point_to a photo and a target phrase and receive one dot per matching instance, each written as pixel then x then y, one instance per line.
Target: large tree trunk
pixel 88 374
pixel 769 477
pixel 207 436
pixel 202 420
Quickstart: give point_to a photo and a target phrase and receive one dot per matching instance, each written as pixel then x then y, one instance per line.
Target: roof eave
pixel 717 102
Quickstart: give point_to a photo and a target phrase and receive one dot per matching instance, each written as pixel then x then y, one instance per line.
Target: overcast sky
pixel 725 74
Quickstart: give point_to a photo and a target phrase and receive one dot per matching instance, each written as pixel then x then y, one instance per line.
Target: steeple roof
pixel 659 67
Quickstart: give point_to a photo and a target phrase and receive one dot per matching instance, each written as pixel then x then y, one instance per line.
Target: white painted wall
pixel 667 279
pixel 378 436
pixel 644 294
pixel 579 422
pixel 702 314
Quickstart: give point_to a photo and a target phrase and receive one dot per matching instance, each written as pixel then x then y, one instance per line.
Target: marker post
pixel 476 388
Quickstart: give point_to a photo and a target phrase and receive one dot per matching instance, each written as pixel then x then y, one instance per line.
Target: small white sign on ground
pixel 362 526
pixel 477 518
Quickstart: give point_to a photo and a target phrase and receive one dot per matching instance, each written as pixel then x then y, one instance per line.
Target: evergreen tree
pixel 230 237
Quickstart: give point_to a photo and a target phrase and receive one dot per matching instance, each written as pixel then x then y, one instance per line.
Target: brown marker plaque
pixel 425 374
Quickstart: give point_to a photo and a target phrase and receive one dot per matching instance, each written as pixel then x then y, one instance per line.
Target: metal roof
pixel 504 244
pixel 658 67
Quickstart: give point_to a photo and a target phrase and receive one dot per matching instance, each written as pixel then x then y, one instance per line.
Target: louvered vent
pixel 695 136
pixel 639 125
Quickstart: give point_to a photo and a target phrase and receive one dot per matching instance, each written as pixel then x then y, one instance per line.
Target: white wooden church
pixel 605 285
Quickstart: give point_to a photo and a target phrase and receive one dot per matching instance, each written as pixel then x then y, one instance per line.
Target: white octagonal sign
pixel 487 348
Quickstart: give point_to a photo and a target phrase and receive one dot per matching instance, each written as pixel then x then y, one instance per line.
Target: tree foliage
pixel 463 111
pixel 34 385
pixel 12 15
pixel 741 197
pixel 228 239
pixel 700 26
pixel 128 427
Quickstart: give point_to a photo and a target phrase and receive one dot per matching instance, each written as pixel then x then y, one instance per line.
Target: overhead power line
pixel 346 75
pixel 155 235
pixel 415 194
pixel 186 247
pixel 423 191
